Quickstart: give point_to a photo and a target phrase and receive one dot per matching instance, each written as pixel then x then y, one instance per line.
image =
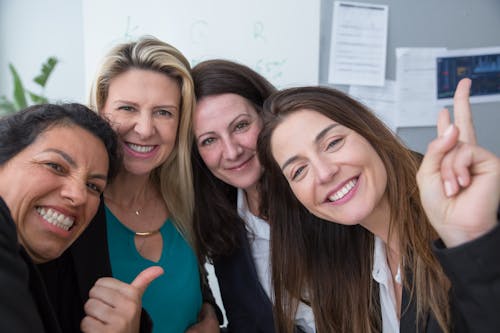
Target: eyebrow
pixel 122 101
pixel 318 138
pixel 322 134
pixel 72 162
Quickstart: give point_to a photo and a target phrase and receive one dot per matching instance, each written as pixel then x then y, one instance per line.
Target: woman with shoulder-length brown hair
pixel 230 229
pixel 327 154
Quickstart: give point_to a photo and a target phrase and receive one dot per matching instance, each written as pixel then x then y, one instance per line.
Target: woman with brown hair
pixel 376 270
pixel 231 230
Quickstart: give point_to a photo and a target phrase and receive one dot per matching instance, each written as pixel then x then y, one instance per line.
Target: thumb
pixel 438 149
pixel 144 278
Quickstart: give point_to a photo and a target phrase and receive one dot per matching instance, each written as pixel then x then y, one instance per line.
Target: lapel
pixel 408 321
pixel 39 292
pixel 90 253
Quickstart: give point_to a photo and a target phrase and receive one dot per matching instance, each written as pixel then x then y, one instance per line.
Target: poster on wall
pixel 358 47
pixel 280 42
pixel 481 65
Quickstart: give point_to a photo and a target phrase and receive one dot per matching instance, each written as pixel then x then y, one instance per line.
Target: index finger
pixel 462 112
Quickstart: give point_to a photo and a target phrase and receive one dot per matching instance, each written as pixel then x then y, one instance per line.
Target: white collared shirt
pixel 259 237
pixel 382 275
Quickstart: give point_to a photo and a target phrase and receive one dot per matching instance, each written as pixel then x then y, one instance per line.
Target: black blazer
pixel 70 277
pixel 248 308
pixel 474 272
pixel 24 304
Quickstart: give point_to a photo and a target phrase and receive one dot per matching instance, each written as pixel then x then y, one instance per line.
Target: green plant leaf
pixel 19 92
pixel 6 106
pixel 37 99
pixel 45 72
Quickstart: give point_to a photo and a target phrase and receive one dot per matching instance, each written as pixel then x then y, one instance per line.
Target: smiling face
pixel 143 107
pixel 52 188
pixel 226 128
pixel 333 171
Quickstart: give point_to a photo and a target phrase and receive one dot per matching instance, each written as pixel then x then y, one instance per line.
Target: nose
pixel 75 191
pixel 232 149
pixel 325 170
pixel 144 125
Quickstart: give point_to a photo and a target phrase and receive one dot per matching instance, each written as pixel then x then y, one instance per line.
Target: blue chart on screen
pixel 483 70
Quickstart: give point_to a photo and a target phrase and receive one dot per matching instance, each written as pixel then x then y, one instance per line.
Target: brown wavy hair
pixel 338 287
pixel 216 221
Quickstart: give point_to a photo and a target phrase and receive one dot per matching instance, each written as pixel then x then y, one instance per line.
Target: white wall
pixel 30 32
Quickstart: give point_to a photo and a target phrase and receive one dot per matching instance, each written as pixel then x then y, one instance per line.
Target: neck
pixel 253 199
pixel 129 190
pixel 378 223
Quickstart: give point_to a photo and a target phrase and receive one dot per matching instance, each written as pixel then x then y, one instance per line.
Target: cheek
pixel 209 156
pixel 252 138
pixel 168 131
pixel 301 194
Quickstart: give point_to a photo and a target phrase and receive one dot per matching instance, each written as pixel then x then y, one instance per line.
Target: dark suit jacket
pixel 70 277
pixel 474 271
pixel 248 309
pixel 24 304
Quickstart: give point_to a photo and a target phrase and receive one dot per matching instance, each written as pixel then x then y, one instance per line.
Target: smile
pixel 240 166
pixel 343 191
pixel 55 218
pixel 139 148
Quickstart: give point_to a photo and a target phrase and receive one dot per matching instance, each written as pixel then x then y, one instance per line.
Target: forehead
pixel 72 139
pixel 137 81
pixel 219 110
pixel 302 124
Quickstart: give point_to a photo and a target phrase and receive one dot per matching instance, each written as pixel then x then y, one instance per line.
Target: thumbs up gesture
pixel 459 181
pixel 115 306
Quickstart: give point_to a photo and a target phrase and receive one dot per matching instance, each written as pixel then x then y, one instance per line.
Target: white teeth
pixel 59 220
pixel 343 191
pixel 140 149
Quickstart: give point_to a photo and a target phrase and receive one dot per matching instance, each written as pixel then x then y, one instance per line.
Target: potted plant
pixel 21 95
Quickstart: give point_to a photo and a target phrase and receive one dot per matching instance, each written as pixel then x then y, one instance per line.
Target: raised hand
pixel 459 181
pixel 115 306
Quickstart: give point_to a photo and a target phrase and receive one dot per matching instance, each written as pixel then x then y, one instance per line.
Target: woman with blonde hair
pixel 144 89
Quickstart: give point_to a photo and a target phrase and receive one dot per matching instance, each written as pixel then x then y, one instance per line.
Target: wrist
pixel 457 237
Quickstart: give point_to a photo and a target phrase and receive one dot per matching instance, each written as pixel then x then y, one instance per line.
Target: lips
pixel 56 218
pixel 240 166
pixel 343 191
pixel 140 148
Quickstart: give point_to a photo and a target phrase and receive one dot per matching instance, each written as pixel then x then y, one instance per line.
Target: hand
pixel 207 321
pixel 115 306
pixel 459 182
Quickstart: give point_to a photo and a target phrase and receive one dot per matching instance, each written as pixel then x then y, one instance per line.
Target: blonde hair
pixel 174 177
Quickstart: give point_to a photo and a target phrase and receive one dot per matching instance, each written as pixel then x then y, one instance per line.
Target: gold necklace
pixel 146 233
pixel 137 211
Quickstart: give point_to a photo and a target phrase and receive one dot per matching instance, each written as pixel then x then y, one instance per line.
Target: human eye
pixel 241 125
pixel 164 113
pixel 95 188
pixel 296 173
pixel 55 167
pixel 334 144
pixel 207 141
pixel 127 108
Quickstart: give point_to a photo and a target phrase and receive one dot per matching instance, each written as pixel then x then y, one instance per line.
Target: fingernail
pixel 448 188
pixel 448 130
pixel 461 181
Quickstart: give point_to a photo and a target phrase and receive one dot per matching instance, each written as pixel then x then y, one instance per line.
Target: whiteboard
pixel 279 39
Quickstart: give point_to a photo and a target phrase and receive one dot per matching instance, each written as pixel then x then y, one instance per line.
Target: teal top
pixel 174 299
